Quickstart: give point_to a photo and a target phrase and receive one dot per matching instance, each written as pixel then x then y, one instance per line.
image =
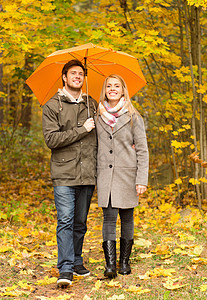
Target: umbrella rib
pixel 109 64
pixel 102 54
pixel 96 69
pixel 74 55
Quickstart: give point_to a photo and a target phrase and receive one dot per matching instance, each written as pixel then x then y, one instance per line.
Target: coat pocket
pixel 63 165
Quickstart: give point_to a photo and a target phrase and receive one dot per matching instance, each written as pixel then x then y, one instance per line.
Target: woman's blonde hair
pixel 128 104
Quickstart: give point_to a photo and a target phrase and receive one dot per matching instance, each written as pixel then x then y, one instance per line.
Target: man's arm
pixel 54 138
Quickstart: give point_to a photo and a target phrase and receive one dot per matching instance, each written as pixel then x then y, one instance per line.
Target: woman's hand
pixel 140 189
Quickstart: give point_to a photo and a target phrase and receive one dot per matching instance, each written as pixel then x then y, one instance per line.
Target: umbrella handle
pixel 86 76
pixel 87 96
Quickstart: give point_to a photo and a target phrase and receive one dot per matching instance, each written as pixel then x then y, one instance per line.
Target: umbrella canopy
pixel 100 63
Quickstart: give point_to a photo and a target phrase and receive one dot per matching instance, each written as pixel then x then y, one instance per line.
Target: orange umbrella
pixel 99 62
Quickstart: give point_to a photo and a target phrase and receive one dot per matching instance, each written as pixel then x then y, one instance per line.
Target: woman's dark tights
pixel 110 219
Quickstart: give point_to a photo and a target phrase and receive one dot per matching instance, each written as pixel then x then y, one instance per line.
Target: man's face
pixel 74 78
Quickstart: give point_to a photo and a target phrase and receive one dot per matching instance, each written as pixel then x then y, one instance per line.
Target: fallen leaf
pixel 115 297
pixel 166 256
pixel 138 290
pixel 5 249
pixel 46 280
pixel 168 261
pixel 113 283
pixel 147 255
pixel 86 297
pixel 198 250
pixel 203 287
pixel 170 285
pixel 98 284
pixel 199 260
pixel 142 243
pixel 144 277
pixel 93 261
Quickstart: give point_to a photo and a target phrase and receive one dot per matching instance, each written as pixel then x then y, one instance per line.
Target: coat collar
pixel 122 120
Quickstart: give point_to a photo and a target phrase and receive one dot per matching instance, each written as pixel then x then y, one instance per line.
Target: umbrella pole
pixel 86 76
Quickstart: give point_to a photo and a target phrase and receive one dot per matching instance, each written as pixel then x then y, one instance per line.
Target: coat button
pixel 110 137
pixel 110 166
pixel 111 151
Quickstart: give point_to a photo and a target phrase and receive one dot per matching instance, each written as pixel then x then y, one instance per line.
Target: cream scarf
pixel 110 114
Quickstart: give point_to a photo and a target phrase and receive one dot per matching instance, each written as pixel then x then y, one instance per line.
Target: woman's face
pixel 114 90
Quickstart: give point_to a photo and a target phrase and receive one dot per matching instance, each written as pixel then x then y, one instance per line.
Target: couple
pixel 121 167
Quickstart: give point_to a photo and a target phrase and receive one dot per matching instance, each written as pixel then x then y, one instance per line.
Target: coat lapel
pixel 122 120
pixel 104 125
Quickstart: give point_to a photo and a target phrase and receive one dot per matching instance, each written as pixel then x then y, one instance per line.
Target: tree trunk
pixel 194 105
pixel 26 113
pixel 202 120
pixel 1 90
pixel 1 87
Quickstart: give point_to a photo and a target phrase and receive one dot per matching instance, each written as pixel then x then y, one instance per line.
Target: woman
pixel 122 169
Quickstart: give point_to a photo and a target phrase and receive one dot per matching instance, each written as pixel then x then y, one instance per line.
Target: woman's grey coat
pixel 120 165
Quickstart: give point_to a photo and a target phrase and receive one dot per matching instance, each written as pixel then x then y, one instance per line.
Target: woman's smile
pixel 114 91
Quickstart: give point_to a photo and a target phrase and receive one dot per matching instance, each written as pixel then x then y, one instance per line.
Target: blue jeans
pixel 72 204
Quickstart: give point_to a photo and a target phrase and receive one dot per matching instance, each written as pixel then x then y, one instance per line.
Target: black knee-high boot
pixel 110 256
pixel 125 251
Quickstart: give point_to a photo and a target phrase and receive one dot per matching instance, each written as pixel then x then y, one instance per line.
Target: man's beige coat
pixel 122 161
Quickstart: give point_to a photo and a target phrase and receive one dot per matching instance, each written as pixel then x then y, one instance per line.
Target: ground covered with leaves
pixel 168 261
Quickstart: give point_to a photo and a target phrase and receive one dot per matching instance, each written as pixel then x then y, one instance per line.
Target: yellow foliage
pixel 171 285
pixel 138 290
pixel 157 272
pixel 146 255
pixel 92 261
pixel 177 144
pixel 198 3
pixel 142 243
pixel 161 249
pixel 178 181
pixel 97 285
pixel 165 207
pixel 186 237
pixel 86 297
pixel 174 218
pixel 203 287
pixel 205 98
pixel 199 260
pixel 113 283
pixel 115 297
pixel 194 181
pixel 46 281
pixel 203 179
pixel 5 249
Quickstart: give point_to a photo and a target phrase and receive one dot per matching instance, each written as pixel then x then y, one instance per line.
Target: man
pixel 71 136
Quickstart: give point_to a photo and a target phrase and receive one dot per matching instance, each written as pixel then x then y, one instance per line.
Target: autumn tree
pixel 168 39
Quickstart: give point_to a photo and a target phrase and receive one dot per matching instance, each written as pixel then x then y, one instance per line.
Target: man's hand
pixel 140 189
pixel 89 124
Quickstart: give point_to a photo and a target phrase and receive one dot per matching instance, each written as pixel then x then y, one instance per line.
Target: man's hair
pixel 69 65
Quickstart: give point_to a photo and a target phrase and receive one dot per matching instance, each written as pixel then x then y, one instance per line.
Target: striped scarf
pixel 110 114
